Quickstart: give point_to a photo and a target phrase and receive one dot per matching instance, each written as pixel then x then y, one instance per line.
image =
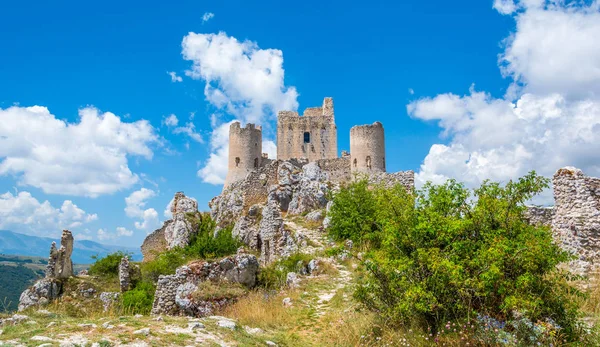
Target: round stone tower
pixel 245 151
pixel 367 148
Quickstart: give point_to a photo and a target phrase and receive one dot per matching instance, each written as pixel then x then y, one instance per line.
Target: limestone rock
pixel 108 299
pixel 292 280
pixel 314 216
pixel 310 192
pixel 174 292
pixel 59 263
pixel 41 293
pixel 227 324
pixel 313 266
pixel 179 233
pixel 175 232
pixel 143 331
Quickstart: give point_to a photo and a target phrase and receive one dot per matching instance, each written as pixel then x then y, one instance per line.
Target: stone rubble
pixel 174 292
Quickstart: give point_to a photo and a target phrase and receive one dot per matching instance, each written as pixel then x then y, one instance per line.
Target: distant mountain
pixel 20 244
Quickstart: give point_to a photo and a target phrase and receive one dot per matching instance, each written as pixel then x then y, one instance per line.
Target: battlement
pixel 236 127
pixel 325 111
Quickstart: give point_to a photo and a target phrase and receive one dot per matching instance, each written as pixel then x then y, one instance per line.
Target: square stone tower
pixel 312 136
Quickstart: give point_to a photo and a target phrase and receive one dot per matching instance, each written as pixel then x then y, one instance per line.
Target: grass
pixel 209 290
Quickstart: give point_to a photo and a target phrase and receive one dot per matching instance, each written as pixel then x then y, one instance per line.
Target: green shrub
pixel 139 300
pixel 448 254
pixel 270 277
pixel 107 266
pixel 353 214
pixel 164 264
pixel 204 245
pixel 274 276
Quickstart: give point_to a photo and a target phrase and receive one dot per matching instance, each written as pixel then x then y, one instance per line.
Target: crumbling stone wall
pixel 576 220
pixel 537 215
pixel 174 293
pixel 312 136
pixel 367 148
pixel 155 242
pixel 245 151
pixel 337 170
pixel 124 274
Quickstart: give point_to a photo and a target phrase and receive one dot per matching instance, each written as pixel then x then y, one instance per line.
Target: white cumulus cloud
pixel 207 16
pixel 551 116
pixel 21 212
pixel 88 158
pixel 241 80
pixel 135 205
pixel 174 77
pixel 171 120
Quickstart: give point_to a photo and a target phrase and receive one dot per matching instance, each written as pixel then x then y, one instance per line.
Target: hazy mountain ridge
pixel 83 250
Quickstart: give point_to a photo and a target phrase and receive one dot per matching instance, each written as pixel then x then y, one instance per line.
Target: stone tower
pixel 245 151
pixel 312 136
pixel 367 148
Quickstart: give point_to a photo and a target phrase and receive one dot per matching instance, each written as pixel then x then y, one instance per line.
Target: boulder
pixel 41 293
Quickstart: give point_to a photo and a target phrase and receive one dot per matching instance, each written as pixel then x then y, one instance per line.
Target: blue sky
pixel 464 89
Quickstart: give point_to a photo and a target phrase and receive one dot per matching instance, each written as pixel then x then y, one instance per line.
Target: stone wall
pixel 367 148
pixel 245 151
pixel 175 293
pixel 155 243
pixel 576 220
pixel 312 136
pixel 540 215
pixel 337 170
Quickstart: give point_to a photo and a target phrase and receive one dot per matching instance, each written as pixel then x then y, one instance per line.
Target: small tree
pixel 446 253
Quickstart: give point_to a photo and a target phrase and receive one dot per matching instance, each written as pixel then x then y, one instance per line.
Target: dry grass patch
pixel 259 309
pixel 209 290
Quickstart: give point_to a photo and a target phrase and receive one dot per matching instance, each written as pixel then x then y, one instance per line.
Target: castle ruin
pixel 311 137
pixel 245 151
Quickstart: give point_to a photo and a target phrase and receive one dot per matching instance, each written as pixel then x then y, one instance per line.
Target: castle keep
pixel 311 137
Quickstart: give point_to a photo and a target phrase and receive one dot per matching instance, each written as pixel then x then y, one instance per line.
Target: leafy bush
pixel 446 254
pixel 274 276
pixel 139 300
pixel 107 266
pixel 353 214
pixel 204 245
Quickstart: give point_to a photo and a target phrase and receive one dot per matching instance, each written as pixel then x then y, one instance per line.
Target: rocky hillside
pixel 289 256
